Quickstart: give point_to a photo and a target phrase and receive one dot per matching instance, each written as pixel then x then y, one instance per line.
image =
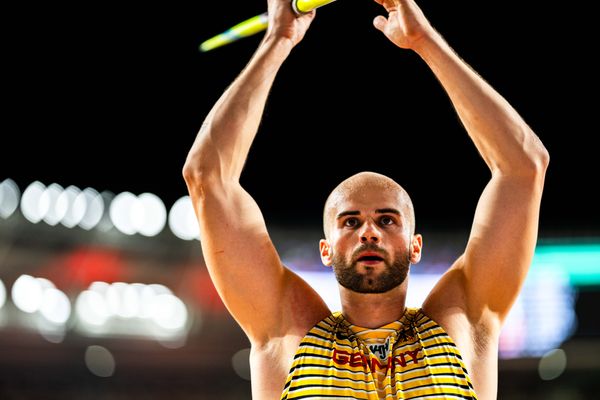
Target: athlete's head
pixel 369 225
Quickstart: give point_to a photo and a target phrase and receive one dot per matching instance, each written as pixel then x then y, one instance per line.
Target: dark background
pixel 111 95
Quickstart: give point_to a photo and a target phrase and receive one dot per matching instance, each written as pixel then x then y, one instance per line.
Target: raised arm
pixel 243 263
pixel 490 273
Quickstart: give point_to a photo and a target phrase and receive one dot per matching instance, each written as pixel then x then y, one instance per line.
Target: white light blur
pixel 100 287
pixel 121 211
pixel 241 363
pixel 169 312
pixel 45 283
pixel 91 308
pixel 90 203
pixel 68 214
pixel 160 289
pixel 114 299
pixel 182 219
pixel 552 364
pixel 52 332
pixel 420 286
pixel 100 361
pixel 132 309
pixel 2 294
pixel 147 295
pixel 27 292
pixel 149 215
pixel 326 285
pixel 81 204
pixel 9 198
pixel 48 202
pixel 122 299
pixel 55 306
pixel 174 340
pixel 130 302
pixel 105 224
pixel 30 202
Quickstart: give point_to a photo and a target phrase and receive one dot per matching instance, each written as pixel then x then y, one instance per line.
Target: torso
pixel 407 359
pixel 271 363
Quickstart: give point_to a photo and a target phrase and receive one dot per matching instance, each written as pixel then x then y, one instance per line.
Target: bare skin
pixel 467 302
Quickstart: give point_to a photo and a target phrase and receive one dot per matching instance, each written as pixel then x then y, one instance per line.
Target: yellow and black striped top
pixel 413 358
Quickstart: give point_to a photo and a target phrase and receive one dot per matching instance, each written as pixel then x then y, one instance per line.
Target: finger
pixel 380 22
pixel 311 14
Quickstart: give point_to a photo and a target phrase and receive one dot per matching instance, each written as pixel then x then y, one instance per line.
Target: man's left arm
pixel 504 232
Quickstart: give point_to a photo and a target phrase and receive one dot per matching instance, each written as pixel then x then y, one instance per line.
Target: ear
pixel 326 252
pixel 416 246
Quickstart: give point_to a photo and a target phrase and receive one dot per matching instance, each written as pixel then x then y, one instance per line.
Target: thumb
pixel 380 22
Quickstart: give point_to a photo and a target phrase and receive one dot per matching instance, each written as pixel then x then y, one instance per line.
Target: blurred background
pixel 103 289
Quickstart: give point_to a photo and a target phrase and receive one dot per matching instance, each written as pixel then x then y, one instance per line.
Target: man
pixel 375 347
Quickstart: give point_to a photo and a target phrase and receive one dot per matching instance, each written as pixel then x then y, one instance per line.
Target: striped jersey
pixel 412 358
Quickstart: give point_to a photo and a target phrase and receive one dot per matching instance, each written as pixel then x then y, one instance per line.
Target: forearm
pixel 504 140
pixel 224 140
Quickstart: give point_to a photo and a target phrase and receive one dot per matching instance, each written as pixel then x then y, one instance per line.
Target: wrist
pixel 278 46
pixel 428 45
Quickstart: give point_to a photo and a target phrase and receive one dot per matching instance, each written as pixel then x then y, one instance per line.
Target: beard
pixel 393 275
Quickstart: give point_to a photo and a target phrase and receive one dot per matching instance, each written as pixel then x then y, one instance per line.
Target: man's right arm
pixel 242 261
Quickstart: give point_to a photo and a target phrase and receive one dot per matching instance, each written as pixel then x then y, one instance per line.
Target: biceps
pixel 239 255
pixel 502 242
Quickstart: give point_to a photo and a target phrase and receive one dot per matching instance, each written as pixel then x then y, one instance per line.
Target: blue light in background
pixel 581 262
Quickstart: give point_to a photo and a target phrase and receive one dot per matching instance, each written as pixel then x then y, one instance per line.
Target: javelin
pixel 257 24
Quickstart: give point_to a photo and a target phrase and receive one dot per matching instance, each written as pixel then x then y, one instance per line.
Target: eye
pixel 351 222
pixel 386 220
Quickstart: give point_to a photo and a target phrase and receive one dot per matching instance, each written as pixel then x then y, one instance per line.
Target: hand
pixel 284 23
pixel 406 25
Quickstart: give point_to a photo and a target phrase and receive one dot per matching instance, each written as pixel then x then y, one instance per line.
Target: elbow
pixel 194 172
pixel 537 157
pixel 200 177
pixel 191 172
pixel 543 159
pixel 201 160
pixel 529 158
pixel 195 181
pixel 540 157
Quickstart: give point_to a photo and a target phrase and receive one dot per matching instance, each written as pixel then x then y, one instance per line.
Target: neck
pixel 373 310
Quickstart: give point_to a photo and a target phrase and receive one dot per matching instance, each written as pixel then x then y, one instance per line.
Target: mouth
pixel 370 259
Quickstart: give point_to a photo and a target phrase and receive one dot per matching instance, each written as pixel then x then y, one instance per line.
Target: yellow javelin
pixel 256 24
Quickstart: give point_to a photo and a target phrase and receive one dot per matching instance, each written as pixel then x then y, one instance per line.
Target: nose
pixel 370 234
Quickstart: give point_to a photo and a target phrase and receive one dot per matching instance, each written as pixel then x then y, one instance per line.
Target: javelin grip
pixel 257 24
pixel 305 6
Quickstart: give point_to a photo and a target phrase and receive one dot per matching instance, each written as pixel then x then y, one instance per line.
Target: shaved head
pixel 358 186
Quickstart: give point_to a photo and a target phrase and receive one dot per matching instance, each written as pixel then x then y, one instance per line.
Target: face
pixel 373 273
pixel 370 246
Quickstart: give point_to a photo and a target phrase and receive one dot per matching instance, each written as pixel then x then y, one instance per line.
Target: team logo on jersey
pixel 381 350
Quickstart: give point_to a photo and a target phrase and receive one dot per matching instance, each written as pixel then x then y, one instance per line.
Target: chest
pixel 332 362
